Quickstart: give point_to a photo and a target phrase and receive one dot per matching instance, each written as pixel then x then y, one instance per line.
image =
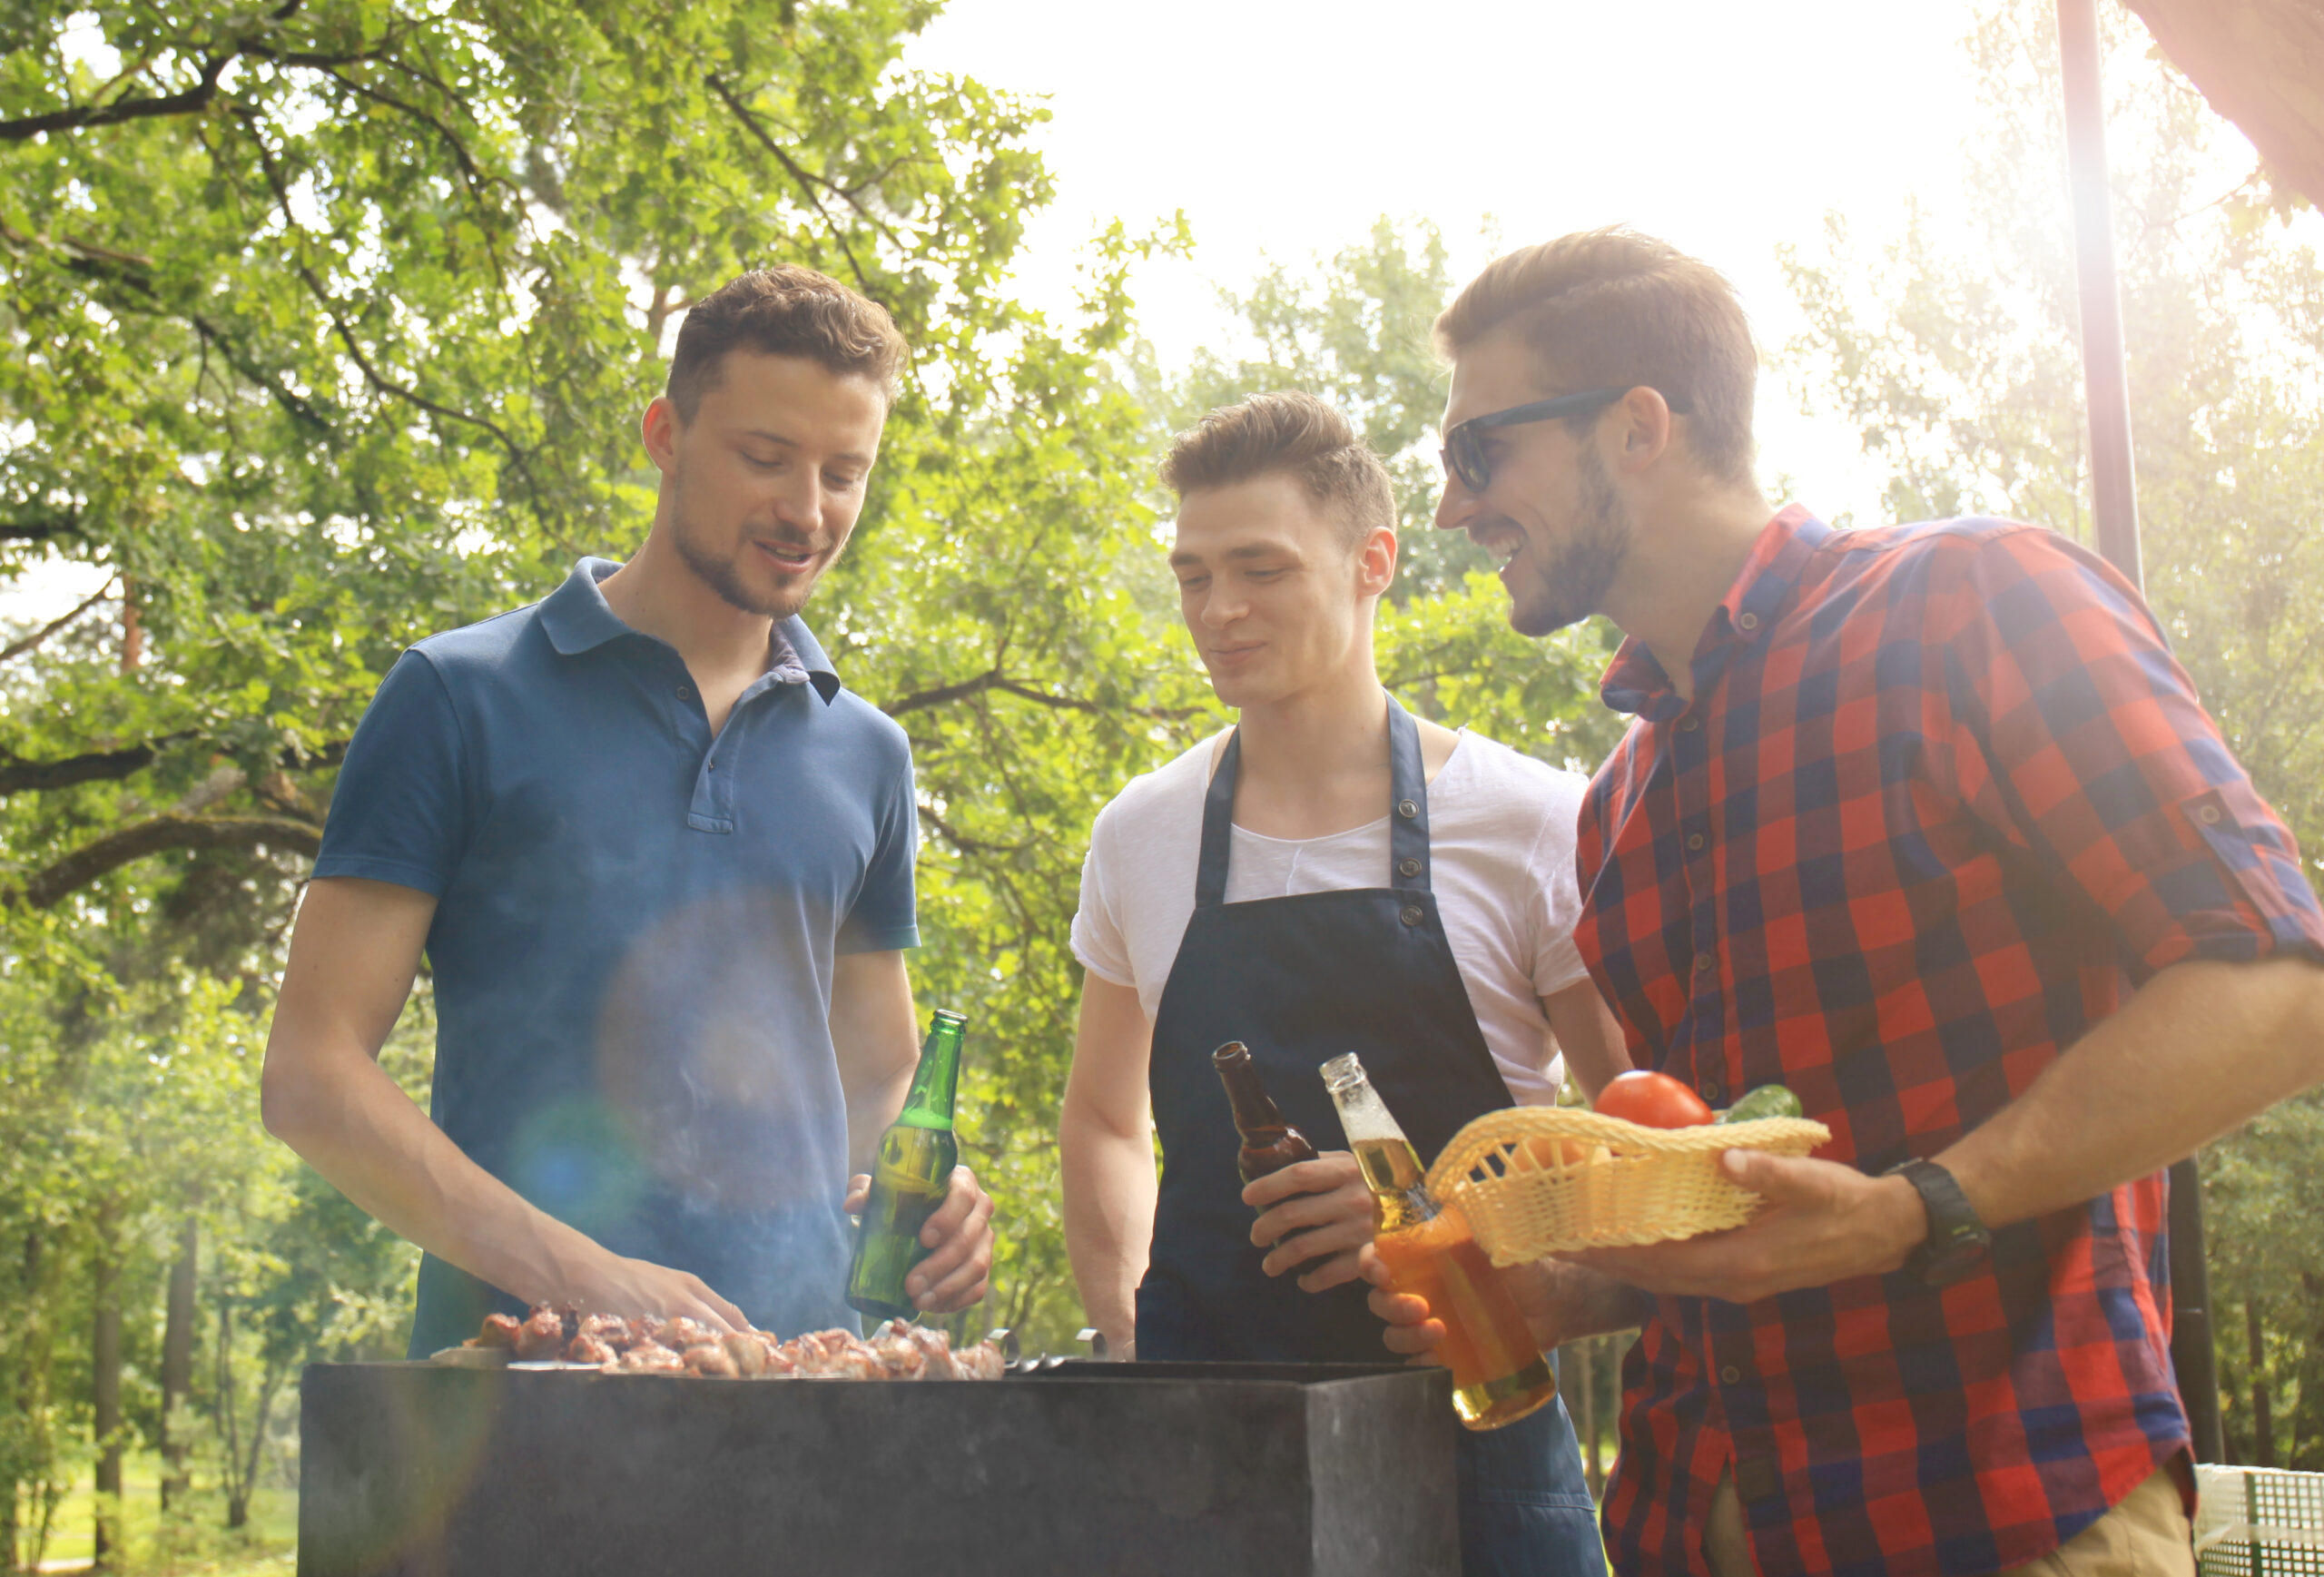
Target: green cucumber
pixel 1767 1101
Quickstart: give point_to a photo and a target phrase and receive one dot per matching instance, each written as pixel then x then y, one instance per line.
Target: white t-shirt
pixel 1500 861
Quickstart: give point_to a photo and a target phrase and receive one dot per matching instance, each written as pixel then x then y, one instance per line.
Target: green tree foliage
pixel 1957 359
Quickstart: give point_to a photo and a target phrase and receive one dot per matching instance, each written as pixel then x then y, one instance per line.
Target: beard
pixel 723 577
pixel 1569 587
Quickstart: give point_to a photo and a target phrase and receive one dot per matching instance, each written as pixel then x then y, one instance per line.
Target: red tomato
pixel 1651 1100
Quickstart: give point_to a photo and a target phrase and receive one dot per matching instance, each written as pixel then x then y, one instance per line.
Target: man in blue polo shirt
pixel 660 863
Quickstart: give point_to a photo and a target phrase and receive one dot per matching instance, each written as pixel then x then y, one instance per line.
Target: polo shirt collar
pixel 1635 682
pixel 577 618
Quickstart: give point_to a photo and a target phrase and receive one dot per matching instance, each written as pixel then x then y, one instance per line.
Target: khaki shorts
pixel 2147 1535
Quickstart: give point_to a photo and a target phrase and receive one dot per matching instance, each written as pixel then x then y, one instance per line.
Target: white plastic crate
pixel 2259 1521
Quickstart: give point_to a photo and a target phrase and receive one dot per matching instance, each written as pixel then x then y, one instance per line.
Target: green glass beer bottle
pixel 915 1168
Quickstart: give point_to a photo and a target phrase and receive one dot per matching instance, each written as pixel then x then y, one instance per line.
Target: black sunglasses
pixel 1464 451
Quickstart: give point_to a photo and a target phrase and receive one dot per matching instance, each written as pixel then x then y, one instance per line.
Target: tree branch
pixel 799 176
pixel 19 647
pixel 160 834
pixel 962 841
pixel 80 116
pixel 134 292
pixel 67 524
pixel 190 100
pixel 18 776
pixel 378 380
pixel 944 694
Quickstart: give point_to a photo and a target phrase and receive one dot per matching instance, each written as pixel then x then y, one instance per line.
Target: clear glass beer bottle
pixel 1499 1373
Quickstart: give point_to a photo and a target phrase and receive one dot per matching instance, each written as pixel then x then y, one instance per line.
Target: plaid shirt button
pixel 1730 1376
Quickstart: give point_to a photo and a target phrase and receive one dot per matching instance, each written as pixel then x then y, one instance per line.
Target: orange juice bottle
pixel 1499 1373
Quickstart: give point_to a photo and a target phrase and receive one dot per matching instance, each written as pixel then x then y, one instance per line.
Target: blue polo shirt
pixel 634 936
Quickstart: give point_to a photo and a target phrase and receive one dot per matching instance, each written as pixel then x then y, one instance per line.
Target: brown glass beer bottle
pixel 1269 1143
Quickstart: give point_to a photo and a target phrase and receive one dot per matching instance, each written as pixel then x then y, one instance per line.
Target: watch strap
pixel 1956 1238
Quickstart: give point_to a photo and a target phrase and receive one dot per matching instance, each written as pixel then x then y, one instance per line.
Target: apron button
pixel 1407 867
pixel 1413 914
pixel 1407 809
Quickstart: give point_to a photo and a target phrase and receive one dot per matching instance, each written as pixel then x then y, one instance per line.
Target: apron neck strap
pixel 1407 812
pixel 1408 809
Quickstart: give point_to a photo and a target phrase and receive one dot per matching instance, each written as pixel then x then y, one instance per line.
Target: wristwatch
pixel 1956 1238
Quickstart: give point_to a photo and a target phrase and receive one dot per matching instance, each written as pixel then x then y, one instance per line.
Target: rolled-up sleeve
pixel 2078 738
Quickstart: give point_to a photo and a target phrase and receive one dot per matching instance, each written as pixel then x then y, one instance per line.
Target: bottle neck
pixel 1391 1167
pixel 1256 1112
pixel 933 1082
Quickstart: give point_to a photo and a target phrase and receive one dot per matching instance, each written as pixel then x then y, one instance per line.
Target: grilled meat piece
pixel 711 1361
pixel 541 1336
pixel 748 1351
pixel 982 1361
pixel 652 1358
pixel 500 1331
pixel 901 1357
pixel 588 1349
pixel 611 1329
pixel 681 1333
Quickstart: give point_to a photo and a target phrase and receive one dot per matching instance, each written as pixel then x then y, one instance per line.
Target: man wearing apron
pixel 1280 887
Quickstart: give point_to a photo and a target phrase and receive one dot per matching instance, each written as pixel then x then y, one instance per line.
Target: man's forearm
pixel 870 1110
pixel 2199 1050
pixel 1563 1302
pixel 1110 1195
pixel 356 1127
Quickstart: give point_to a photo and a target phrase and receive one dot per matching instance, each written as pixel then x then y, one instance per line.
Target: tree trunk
pixel 237 1502
pixel 177 1365
pixel 2263 1422
pixel 106 1389
pixel 132 629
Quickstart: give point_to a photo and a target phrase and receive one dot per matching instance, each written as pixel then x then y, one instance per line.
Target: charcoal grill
pixel 415 1470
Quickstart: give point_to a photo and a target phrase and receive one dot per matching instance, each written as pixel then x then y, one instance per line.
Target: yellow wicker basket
pixel 1539 1179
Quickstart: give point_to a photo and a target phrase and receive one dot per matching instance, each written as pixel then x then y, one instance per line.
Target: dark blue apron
pixel 1301 979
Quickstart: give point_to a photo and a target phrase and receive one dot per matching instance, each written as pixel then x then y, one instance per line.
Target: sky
pixel 1284 130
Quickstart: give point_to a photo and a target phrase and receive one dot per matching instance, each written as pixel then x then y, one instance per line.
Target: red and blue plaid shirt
pixel 1940 798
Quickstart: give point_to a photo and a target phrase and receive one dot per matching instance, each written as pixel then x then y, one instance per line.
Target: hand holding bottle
pixel 1560 1303
pixel 957 1235
pixel 1317 1214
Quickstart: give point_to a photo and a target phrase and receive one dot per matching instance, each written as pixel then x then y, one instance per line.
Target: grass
pixel 193 1541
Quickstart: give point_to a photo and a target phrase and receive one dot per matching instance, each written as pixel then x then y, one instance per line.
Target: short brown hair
pixel 784 312
pixel 1614 307
pixel 1290 432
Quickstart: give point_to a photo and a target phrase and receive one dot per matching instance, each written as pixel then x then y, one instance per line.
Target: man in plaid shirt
pixel 1926 823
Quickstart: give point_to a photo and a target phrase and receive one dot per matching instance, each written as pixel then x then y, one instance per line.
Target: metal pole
pixel 2113 488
